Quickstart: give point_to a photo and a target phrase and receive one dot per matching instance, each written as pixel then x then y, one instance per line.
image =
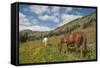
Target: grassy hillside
pixel 82 23
pixel 35 52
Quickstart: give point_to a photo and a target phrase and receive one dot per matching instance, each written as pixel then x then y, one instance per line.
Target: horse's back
pixel 73 37
pixel 77 37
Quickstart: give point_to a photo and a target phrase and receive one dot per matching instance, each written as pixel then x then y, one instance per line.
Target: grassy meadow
pixel 36 52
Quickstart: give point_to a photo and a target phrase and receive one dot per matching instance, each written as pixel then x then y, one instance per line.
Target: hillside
pixel 33 51
pixel 77 24
pixel 87 21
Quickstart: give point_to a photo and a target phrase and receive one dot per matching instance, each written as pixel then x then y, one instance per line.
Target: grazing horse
pixel 76 38
pixel 45 41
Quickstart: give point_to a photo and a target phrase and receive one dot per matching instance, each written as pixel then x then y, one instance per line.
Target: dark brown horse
pixel 78 39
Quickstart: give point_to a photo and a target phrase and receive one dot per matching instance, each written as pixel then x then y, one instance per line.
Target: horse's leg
pixel 60 47
pixel 81 51
pixel 85 46
pixel 76 46
pixel 66 48
pixel 84 50
pixel 63 48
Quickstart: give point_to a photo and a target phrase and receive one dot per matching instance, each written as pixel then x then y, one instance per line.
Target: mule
pixel 78 39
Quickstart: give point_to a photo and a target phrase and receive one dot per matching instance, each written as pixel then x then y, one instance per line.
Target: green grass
pixel 35 52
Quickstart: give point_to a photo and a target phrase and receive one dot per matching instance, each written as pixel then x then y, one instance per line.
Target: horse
pixel 45 41
pixel 75 38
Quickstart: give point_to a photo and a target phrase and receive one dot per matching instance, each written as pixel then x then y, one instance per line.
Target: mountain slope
pixel 80 23
pixel 83 22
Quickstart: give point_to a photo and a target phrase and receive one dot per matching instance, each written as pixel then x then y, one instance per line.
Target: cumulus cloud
pixel 68 9
pixel 23 20
pixel 38 9
pixel 34 28
pixel 78 13
pixel 45 9
pixel 67 18
pixel 49 17
pixel 46 17
pixel 46 14
pixel 56 20
pixel 21 15
pixel 55 9
pixel 34 22
pixel 24 24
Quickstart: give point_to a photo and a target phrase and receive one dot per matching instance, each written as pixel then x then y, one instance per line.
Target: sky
pixel 46 18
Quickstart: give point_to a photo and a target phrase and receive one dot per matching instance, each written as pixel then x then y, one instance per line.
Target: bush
pixel 23 37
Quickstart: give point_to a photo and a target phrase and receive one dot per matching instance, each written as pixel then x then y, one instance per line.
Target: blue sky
pixel 46 18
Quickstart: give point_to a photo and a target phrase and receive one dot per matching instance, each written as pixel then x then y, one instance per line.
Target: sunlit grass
pixel 35 52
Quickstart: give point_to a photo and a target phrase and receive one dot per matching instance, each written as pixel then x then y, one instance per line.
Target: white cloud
pixel 34 21
pixel 38 9
pixel 49 18
pixel 25 24
pixel 56 14
pixel 77 13
pixel 45 17
pixel 42 9
pixel 32 24
pixel 22 27
pixel 23 20
pixel 67 18
pixel 21 15
pixel 55 9
pixel 34 28
pixel 56 20
pixel 68 9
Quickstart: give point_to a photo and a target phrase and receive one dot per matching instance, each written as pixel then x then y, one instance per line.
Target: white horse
pixel 45 41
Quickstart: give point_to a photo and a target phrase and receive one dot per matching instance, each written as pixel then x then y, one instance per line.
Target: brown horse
pixel 76 38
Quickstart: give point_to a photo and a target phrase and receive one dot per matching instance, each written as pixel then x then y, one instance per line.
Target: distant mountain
pixel 82 22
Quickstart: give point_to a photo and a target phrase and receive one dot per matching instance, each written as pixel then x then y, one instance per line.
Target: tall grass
pixel 35 52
